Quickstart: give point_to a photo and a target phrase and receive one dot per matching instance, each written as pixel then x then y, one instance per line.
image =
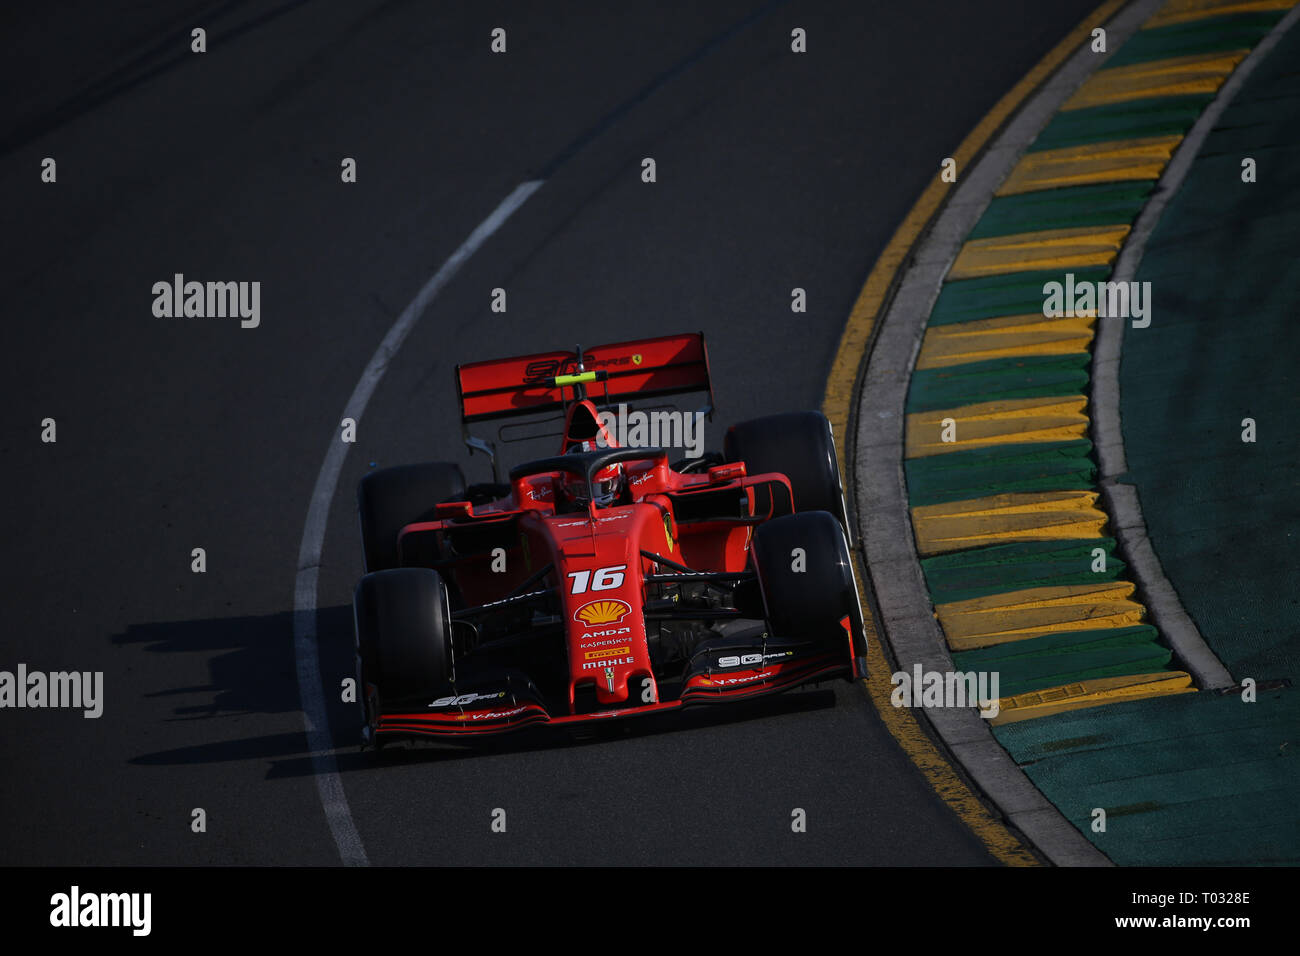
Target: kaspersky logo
pixel 606 611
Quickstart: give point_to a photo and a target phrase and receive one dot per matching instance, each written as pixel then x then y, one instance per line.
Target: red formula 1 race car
pixel 605 581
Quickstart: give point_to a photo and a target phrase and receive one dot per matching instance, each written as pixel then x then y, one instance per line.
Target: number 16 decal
pixel 603 579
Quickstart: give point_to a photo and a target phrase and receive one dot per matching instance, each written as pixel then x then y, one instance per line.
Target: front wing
pixel 716 688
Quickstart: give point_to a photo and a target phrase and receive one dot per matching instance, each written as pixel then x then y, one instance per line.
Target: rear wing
pixel 501 388
pixel 550 381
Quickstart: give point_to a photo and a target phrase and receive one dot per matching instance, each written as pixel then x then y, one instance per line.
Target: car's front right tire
pixel 805 572
pixel 801 446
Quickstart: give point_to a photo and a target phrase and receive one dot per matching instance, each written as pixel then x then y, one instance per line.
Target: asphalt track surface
pixel 775 170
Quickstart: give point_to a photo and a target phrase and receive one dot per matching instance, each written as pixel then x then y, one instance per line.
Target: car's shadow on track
pixel 251 671
pixel 252 668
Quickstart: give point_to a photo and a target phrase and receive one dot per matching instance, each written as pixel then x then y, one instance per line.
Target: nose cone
pixel 607 635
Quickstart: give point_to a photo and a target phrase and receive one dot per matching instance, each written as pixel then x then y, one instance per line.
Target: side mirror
pixel 474 443
pixel 726 472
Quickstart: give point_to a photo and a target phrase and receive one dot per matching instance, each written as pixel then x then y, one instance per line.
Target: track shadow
pixel 252 671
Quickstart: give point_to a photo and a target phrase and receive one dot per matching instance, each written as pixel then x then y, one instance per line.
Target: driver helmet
pixel 606 485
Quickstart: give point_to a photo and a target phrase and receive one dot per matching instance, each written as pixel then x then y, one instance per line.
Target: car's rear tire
pixel 390 499
pixel 403 636
pixel 800 446
pixel 806 575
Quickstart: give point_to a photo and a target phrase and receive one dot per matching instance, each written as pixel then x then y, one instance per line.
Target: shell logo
pixel 602 612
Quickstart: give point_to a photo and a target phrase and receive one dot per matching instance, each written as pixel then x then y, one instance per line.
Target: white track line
pixel 311 692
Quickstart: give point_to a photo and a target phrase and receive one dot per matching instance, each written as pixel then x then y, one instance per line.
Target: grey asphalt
pixel 775 170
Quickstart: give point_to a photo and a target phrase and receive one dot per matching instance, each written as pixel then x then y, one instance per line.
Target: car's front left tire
pixel 391 498
pixel 403 638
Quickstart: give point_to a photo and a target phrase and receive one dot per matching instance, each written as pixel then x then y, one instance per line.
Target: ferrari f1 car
pixel 605 581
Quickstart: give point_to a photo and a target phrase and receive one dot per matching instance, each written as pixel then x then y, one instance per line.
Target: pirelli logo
pixel 606 652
